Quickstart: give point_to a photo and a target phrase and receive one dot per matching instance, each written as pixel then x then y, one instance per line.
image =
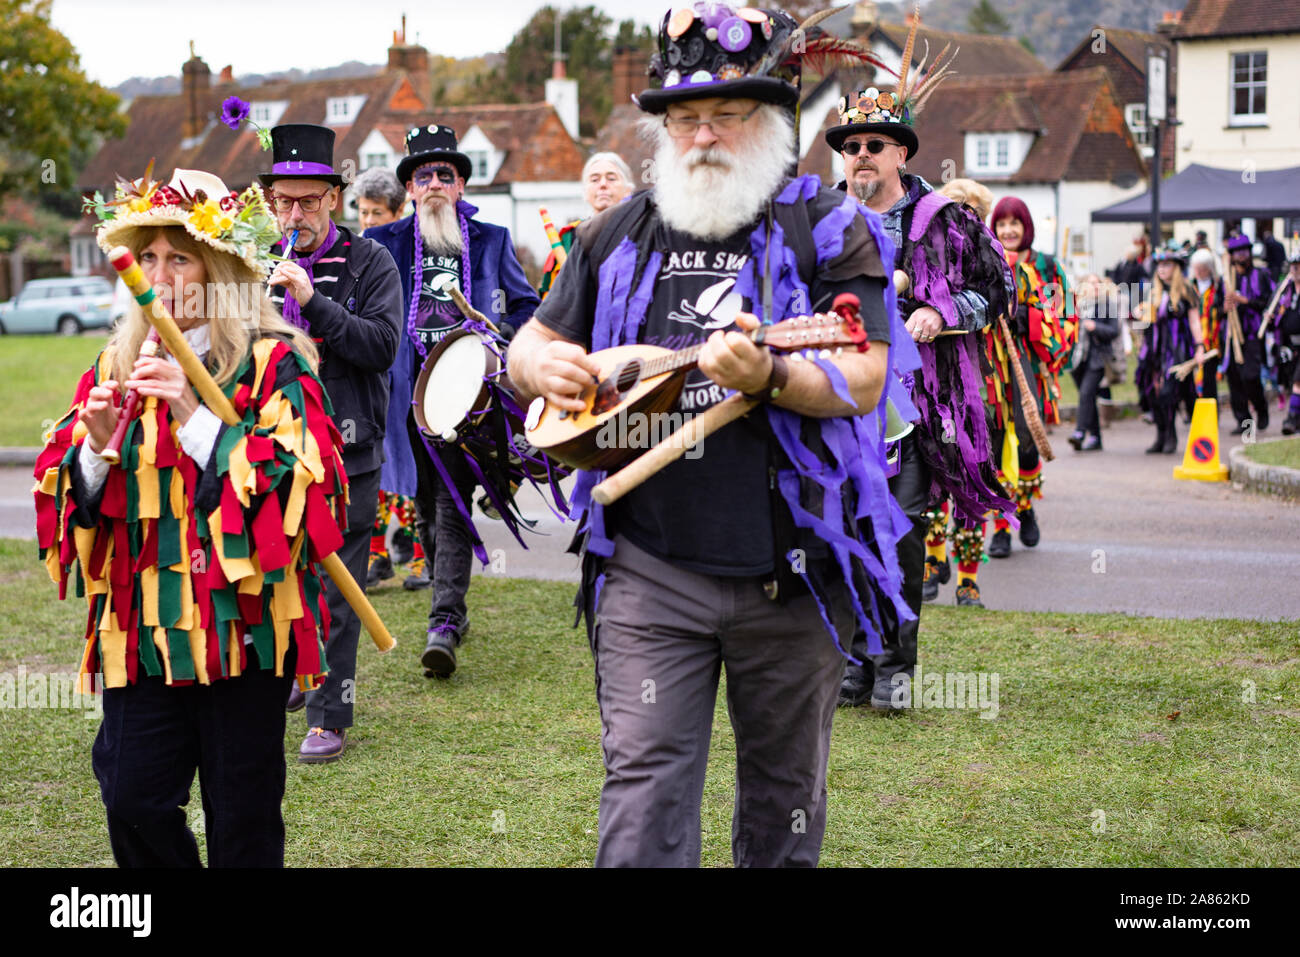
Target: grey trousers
pixel 662 635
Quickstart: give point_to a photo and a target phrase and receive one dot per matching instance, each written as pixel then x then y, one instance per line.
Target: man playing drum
pixel 438 249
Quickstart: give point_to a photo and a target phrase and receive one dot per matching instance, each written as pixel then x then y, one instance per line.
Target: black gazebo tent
pixel 1205 192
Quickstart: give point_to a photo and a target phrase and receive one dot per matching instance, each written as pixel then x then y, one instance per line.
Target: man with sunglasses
pixel 957 283
pixel 438 248
pixel 344 291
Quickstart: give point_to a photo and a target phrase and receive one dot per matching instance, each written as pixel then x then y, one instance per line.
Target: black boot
pixel 1158 446
pixel 1029 533
pixel 999 544
pixel 1170 445
pixel 855 689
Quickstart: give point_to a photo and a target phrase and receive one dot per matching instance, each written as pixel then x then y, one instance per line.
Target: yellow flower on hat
pixel 208 217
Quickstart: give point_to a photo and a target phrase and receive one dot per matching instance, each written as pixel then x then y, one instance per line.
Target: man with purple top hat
pixel 343 290
pixel 957 282
pixel 439 247
pixel 1248 288
pixel 759 554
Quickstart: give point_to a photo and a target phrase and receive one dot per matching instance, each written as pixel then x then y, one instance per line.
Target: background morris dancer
pixel 1285 323
pixel 198 550
pixel 1043 326
pixel 1172 336
pixel 606 180
pixel 957 280
pixel 1099 318
pixel 1247 290
pixel 343 291
pixel 1209 288
pixel 441 246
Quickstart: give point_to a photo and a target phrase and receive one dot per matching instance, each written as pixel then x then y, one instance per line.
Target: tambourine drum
pixel 452 392
pixel 455 402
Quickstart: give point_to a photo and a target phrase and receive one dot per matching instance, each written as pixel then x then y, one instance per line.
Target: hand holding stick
pixel 216 400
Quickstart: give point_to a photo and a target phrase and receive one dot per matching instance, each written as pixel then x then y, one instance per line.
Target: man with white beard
pixel 438 248
pixel 746 555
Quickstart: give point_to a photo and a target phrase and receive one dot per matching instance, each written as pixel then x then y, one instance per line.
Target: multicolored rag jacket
pixel 183 564
pixel 1042 287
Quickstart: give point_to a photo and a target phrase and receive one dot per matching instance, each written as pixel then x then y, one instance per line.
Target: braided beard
pixel 712 192
pixel 440 228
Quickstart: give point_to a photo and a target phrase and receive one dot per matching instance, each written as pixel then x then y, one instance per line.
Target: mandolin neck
pixel 688 358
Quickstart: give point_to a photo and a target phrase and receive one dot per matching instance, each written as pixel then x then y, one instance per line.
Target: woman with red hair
pixel 1043 328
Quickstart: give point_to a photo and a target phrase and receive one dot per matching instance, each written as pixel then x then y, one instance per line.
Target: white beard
pixel 711 193
pixel 440 229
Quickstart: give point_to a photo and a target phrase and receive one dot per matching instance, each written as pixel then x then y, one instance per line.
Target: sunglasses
pixel 423 177
pixel 854 147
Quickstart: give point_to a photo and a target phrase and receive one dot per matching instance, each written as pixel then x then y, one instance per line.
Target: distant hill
pixel 1052 27
pixel 165 85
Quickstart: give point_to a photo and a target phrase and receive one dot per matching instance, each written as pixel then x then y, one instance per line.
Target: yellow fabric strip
pixel 233 568
pixel 199 653
pixel 112 654
pixel 149 595
pixel 160 642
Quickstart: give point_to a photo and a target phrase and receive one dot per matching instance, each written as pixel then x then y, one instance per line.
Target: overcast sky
pixel 119 40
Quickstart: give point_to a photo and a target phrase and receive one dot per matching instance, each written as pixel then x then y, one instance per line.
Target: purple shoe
pixel 297 700
pixel 322 745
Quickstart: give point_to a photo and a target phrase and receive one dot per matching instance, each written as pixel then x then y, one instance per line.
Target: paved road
pixel 1119 534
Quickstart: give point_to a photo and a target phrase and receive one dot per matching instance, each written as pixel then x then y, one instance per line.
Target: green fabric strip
pixel 178 646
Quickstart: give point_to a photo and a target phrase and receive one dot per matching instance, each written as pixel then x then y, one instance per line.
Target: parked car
pixel 66 306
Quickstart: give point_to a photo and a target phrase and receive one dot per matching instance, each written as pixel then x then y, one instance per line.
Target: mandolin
pixel 644 380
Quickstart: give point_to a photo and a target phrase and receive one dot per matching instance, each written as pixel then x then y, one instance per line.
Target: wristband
pixel 776 381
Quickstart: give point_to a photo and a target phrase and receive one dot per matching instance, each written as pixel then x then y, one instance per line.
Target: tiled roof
pixel 619 135
pixel 1204 19
pixel 1085 135
pixel 536 144
pixel 978 54
pixel 1007 112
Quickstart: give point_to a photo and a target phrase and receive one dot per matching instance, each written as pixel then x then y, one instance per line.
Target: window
pixel 1077 247
pixel 1004 153
pixel 374 159
pixel 982 152
pixel 342 110
pixel 1135 114
pixel 1249 80
pixel 267 113
pixel 479 159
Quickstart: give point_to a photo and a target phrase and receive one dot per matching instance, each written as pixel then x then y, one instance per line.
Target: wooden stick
pixel 1183 369
pixel 469 312
pixel 1272 303
pixel 1027 404
pixel 671 448
pixel 124 262
pixel 1234 321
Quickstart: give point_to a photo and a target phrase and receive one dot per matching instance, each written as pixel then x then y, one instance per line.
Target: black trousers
pixel 443 531
pixel 151 741
pixel 330 705
pixel 1088 379
pixel 911 488
pixel 1245 389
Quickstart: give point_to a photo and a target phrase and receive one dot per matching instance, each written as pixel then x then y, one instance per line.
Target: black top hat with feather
pixel 893 113
pixel 712 49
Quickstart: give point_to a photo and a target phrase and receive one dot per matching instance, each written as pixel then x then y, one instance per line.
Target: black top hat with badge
pixel 428 144
pixel 714 50
pixel 302 151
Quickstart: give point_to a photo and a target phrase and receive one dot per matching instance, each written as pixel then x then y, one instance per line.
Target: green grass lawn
pixel 1178 737
pixel 38 375
pixel 1282 452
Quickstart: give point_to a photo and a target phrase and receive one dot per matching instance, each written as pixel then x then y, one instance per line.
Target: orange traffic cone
pixel 1201 458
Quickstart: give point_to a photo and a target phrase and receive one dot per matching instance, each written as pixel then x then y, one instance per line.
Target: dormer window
pixel 267 113
pixel 343 110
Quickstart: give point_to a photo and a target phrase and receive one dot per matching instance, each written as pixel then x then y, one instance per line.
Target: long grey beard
pixel 711 193
pixel 440 229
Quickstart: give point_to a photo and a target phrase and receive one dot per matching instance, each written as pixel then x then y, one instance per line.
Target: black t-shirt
pixel 710 513
pixel 437 314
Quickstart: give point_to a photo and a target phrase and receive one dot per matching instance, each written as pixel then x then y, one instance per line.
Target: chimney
pixel 411 59
pixel 227 76
pixel 1169 22
pixel 865 17
pixel 913 16
pixel 562 93
pixel 196 81
pixel 629 73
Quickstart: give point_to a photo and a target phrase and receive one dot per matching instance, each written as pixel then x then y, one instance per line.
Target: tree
pixel 985 19
pixel 587 42
pixel 50 112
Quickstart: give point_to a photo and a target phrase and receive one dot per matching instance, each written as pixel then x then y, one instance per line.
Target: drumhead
pixel 455 382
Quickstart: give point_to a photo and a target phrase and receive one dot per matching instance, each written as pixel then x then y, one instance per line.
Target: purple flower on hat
pixel 234 111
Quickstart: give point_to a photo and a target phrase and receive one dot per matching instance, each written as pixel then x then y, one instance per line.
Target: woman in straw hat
pixel 196 553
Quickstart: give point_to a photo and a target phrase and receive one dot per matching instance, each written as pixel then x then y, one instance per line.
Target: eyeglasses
pixel 854 147
pixel 308 204
pixel 684 126
pixel 423 177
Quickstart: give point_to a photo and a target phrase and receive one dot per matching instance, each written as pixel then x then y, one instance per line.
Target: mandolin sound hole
pixel 629 375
